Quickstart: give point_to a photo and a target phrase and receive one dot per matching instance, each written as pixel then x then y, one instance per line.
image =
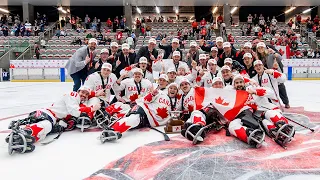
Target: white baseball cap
pixel 249 55
pixel 125 46
pixel 202 56
pixel 104 50
pixel 228 60
pixel 137 70
pixel 143 60
pixel 172 70
pixel 261 44
pixel 216 79
pixel 214 49
pixel 173 84
pixel 175 40
pixel 225 67
pixel 212 61
pixel 247 44
pixel 152 40
pixel 226 44
pixel 113 44
pixel 219 39
pixel 107 65
pixel 93 40
pixel 256 62
pixel 194 44
pixel 164 76
pixel 176 53
pixel 183 80
pixel 84 88
pixel 238 76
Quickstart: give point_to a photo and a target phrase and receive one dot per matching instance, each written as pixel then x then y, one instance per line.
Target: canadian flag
pixel 228 102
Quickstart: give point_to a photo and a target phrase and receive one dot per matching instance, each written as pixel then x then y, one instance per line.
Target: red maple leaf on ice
pixel 220 101
pixel 133 97
pixel 162 112
pixel 190 108
pixel 276 119
pixel 120 128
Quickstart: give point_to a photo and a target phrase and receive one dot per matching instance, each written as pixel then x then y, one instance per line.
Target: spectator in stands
pixel 43 44
pixel 28 28
pixel 193 54
pixel 194 27
pixel 316 20
pixel 5 30
pixel 42 26
pixel 76 41
pixel 104 54
pixel 109 23
pixel 63 32
pixel 316 53
pixel 290 23
pixel 17 30
pixel 220 19
pixel 203 33
pixel 88 36
pixel 87 21
pixel 124 59
pixel 298 20
pixel 203 23
pixel 22 29
pixel 73 23
pixel 67 20
pixel 249 19
pixel 268 21
pixel 36 30
pixel 62 22
pixel 150 52
pixel 119 36
pixel 310 53
pixel 100 38
pixel 10 22
pixel 148 30
pixel 37 51
pixel 155 19
pixel 81 63
pixel 169 49
pixel 309 26
pixel 5 75
pixel 94 24
pixel 138 23
pixel 274 21
pixel 255 19
pixel 115 24
pixel 98 25
pixel 130 41
pixel 318 33
pixel 256 30
pixel 228 52
pixel 45 20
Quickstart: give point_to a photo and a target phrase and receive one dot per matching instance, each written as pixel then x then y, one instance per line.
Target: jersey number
pixel 74 94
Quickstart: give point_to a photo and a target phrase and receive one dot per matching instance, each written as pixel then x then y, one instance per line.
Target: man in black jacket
pixel 228 52
pixel 248 61
pixel 104 54
pixel 149 52
pixel 169 49
pixel 124 59
pixel 219 45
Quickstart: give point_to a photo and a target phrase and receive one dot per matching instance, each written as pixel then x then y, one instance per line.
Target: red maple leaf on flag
pixel 276 119
pixel 120 128
pixel 261 92
pixel 162 112
pixel 281 52
pixel 179 96
pixel 190 108
pixel 117 109
pixel 110 109
pixel 35 130
pixel 133 97
pixel 221 101
pixel 276 74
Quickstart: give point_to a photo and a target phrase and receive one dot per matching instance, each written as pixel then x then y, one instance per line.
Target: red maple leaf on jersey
pixel 253 106
pixel 198 79
pixel 120 115
pixel 276 119
pixel 120 128
pixel 133 97
pixel 162 112
pixel 197 120
pixel 261 92
pixel 190 108
pixel 148 97
pixel 35 130
pixel 179 96
pixel 220 101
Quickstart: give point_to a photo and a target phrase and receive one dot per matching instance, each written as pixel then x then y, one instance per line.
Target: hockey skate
pixel 83 122
pixel 101 118
pixel 109 135
pixel 20 140
pixel 283 133
pixel 193 132
pixel 255 137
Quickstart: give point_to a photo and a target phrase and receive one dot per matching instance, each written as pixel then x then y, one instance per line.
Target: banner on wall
pixel 37 63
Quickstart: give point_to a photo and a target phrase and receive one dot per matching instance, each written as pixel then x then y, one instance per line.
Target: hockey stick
pixel 166 137
pixel 53 139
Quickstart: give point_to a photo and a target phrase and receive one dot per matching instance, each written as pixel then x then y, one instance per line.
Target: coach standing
pixel 81 63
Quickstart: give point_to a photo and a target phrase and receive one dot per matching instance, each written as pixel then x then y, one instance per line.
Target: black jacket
pixel 251 72
pixel 144 52
pixel 235 55
pixel 124 63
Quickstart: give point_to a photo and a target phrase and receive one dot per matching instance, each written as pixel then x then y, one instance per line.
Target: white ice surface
pixel 77 155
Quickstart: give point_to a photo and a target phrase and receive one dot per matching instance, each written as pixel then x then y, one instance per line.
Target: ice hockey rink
pixel 142 154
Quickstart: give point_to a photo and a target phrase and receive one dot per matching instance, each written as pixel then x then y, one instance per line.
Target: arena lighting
pixel 138 10
pixel 306 11
pixel 68 10
pixel 4 10
pixel 157 10
pixel 233 10
pixel 289 10
pixel 64 11
pixel 215 10
pixel 177 11
pixel 60 8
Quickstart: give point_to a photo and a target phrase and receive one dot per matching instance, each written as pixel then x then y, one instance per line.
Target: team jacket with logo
pixel 94 82
pixel 146 74
pixel 131 89
pixel 186 102
pixel 259 101
pixel 206 79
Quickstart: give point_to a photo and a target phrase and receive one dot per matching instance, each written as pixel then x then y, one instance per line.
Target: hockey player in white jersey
pixel 39 123
pixel 135 87
pixel 163 82
pixel 151 110
pixel 143 63
pixel 206 79
pixel 226 75
pixel 269 78
pixel 186 105
pixel 165 65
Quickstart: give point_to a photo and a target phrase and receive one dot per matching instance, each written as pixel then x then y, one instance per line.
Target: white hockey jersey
pixel 206 79
pixel 133 90
pixel 186 102
pixel 260 100
pixel 165 64
pixel 94 82
pixel 69 104
pixel 146 74
pixel 157 108
pixel 271 81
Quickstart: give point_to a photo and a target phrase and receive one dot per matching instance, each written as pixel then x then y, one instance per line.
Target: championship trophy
pixel 174 125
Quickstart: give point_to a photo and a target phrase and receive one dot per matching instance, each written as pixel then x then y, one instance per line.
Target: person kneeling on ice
pixel 201 121
pixel 60 116
pixel 246 126
pixel 151 110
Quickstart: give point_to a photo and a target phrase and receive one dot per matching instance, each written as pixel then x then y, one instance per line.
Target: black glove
pixel 237 66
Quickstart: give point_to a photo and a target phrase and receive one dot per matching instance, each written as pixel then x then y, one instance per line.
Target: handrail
pixel 24 52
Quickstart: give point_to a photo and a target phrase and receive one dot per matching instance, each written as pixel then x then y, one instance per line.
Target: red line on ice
pixel 2 119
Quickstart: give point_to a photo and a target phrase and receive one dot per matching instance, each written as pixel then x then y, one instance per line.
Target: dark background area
pixel 203 12
pixel 101 12
pixel 50 11
pixel 14 10
pixel 264 10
